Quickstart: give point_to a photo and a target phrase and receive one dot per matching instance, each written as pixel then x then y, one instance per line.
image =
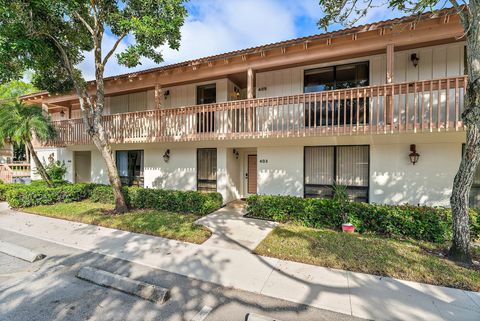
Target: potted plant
pixel 340 196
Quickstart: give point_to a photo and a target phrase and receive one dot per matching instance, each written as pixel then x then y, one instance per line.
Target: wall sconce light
pixel 236 153
pixel 166 94
pixel 414 156
pixel 166 156
pixel 62 113
pixel 414 59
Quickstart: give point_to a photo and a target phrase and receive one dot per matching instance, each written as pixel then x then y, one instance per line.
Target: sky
pixel 218 26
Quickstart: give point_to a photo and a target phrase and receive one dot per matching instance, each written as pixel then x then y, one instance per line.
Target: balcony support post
pixel 389 80
pixel 250 83
pixel 158 96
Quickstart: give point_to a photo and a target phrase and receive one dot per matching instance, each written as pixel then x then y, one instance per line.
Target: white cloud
pixel 218 26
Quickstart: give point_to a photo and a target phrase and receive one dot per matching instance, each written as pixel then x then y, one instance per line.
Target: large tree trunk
pixel 40 168
pixel 460 250
pixel 98 136
pixel 113 177
pixel 459 202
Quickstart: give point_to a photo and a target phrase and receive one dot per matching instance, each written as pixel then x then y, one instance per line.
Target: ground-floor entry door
pixel 252 174
pixel 83 161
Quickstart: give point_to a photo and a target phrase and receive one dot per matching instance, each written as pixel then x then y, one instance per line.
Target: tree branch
pixel 110 53
pixel 84 22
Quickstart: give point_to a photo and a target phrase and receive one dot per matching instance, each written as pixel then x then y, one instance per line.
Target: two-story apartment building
pixel 355 106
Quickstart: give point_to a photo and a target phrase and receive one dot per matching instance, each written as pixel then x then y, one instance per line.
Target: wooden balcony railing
pixel 419 106
pixel 9 172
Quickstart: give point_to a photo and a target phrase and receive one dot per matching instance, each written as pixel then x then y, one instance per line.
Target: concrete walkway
pixel 357 294
pixel 233 231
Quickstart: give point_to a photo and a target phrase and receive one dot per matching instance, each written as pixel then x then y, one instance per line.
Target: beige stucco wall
pixel 394 180
pixel 280 170
pixel 179 173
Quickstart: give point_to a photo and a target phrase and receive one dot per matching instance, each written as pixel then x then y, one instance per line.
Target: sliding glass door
pixel 130 167
pixel 206 94
pixel 207 169
pixel 343 165
pixel 329 111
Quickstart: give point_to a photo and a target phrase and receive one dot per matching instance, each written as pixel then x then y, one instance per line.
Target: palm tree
pixel 20 123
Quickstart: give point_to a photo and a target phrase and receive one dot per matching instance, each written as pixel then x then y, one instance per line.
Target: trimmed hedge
pixel 418 222
pixel 21 195
pixel 165 200
pixel 35 183
pixel 29 195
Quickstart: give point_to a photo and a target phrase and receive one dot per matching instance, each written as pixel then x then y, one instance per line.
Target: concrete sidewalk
pixel 357 294
pixel 233 231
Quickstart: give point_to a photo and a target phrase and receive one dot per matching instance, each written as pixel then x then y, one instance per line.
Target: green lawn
pixel 165 224
pixel 402 259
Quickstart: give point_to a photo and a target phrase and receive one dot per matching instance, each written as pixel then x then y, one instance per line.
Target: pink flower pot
pixel 348 228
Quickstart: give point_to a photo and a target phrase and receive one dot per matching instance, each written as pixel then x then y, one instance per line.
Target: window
pixel 207 169
pixel 345 165
pixel 206 94
pixel 142 100
pixel 338 112
pixel 130 167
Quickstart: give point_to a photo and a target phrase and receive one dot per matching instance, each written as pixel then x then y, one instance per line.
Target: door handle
pixel 246 175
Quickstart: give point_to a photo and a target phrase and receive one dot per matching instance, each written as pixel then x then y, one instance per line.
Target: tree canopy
pixel 51 37
pixel 14 89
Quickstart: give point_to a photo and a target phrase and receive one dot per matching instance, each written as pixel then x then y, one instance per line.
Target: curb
pixel 140 289
pixel 20 252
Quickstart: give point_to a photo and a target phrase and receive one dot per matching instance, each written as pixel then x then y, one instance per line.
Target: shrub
pixel 418 222
pixel 19 195
pixel 33 195
pixel 165 200
pixel 102 194
pixel 4 188
pixel 41 182
pixel 56 170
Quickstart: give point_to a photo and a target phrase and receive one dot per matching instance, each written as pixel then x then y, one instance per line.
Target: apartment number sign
pixel 264 161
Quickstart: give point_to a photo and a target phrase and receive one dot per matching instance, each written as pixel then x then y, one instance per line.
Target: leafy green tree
pixel 14 89
pixel 50 36
pixel 350 11
pixel 10 91
pixel 20 124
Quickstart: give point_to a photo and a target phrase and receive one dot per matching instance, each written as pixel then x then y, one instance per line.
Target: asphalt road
pixel 49 290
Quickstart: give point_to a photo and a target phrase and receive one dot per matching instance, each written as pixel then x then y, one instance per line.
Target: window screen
pixel 345 165
pixel 130 167
pixel 207 169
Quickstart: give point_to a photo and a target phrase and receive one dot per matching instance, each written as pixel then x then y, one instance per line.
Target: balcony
pixel 420 106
